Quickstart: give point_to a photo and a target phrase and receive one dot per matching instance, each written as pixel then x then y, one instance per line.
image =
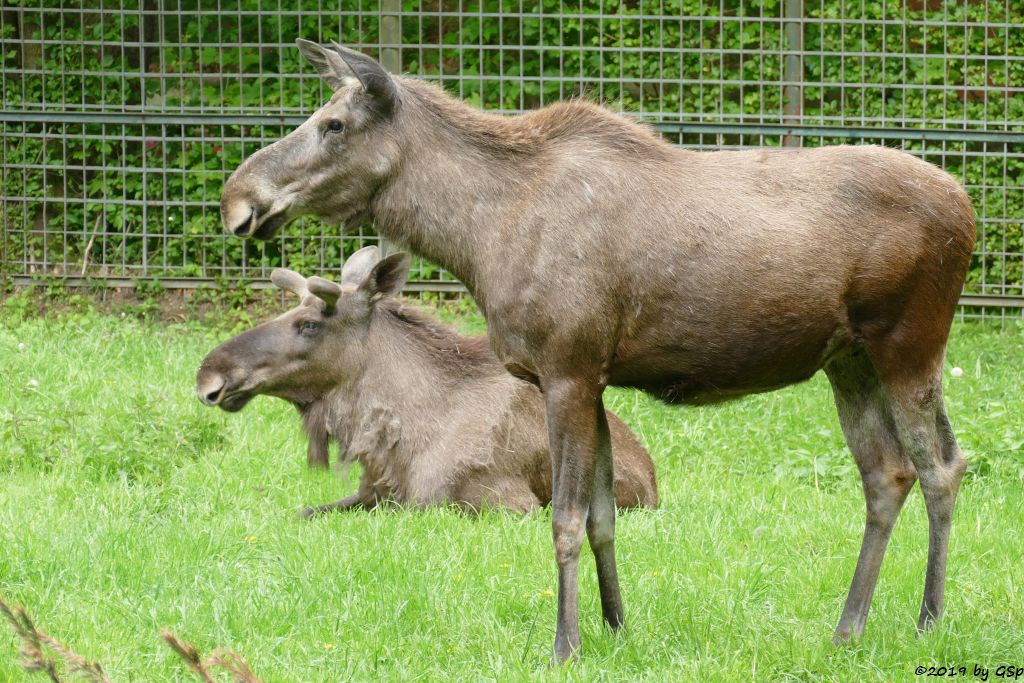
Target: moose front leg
pixel 318 452
pixel 354 501
pixel 578 438
pixel 365 498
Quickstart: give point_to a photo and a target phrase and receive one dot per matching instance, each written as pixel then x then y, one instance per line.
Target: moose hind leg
pixel 928 438
pixel 571 406
pixel 601 524
pixel 886 474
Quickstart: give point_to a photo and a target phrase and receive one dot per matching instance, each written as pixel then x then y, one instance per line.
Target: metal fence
pixel 121 119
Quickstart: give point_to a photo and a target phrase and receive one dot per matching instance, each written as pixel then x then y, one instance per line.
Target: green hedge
pixel 883 65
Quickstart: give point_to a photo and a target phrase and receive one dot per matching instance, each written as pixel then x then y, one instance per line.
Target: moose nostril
pixel 242 229
pixel 212 392
pixel 237 214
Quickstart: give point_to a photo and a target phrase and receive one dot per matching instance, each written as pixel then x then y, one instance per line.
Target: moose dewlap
pixel 431 415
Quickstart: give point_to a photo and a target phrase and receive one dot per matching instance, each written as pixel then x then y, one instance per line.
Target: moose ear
pixel 377 83
pixel 288 280
pixel 325 290
pixel 331 67
pixel 387 276
pixel 358 266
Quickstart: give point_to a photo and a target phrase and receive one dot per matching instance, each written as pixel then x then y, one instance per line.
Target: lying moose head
pixel 300 355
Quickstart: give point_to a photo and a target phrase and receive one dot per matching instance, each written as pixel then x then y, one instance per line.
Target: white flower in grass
pixel 957 372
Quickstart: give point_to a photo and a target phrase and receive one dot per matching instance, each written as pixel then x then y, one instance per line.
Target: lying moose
pixel 431 415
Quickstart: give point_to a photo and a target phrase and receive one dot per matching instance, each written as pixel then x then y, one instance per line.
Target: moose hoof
pixel 565 653
pixel 845 635
pixel 558 660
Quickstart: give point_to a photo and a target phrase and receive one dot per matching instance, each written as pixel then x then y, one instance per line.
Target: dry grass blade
pixel 233 663
pixel 189 653
pixel 32 654
pixel 221 658
pixel 30 650
pixel 76 663
pixel 34 657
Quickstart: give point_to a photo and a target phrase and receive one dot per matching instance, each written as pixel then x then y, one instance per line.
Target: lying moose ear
pixel 331 67
pixel 358 266
pixel 387 277
pixel 325 290
pixel 289 281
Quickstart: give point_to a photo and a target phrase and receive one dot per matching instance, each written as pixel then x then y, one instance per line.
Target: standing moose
pixel 600 254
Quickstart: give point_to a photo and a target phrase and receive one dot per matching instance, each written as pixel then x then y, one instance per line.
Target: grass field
pixel 126 506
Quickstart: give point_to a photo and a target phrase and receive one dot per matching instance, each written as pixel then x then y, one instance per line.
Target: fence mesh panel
pixel 121 119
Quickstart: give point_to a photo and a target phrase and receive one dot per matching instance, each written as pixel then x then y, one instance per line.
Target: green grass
pixel 125 506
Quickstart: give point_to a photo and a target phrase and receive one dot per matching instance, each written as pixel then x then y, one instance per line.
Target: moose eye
pixel 309 327
pixel 335 126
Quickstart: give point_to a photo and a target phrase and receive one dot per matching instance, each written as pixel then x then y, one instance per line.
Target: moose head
pixel 313 347
pixel 329 166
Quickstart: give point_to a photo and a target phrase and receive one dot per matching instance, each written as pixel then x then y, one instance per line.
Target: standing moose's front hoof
pixel 567 642
pixel 564 655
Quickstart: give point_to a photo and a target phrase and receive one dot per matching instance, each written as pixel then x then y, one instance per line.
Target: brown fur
pixel 562 122
pixel 601 255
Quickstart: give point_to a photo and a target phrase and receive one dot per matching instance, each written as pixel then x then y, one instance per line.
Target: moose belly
pixel 703 370
pixel 694 389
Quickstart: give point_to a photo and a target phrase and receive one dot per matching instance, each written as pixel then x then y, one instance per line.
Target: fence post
pixel 793 12
pixel 390 57
pixel 390 35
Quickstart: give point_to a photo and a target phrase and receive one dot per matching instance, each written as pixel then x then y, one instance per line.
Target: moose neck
pixel 412 362
pixel 461 171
